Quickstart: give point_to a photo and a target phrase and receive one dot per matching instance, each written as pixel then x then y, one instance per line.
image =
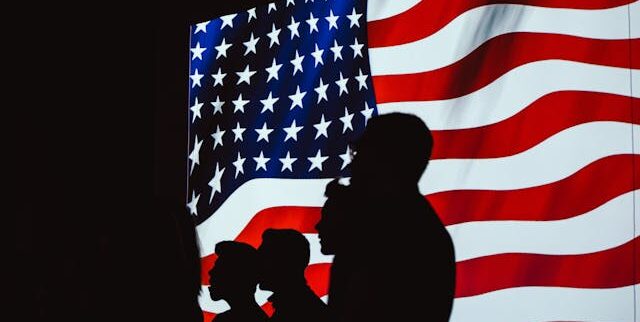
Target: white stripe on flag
pixel 458 38
pixel 381 9
pixel 555 158
pixel 608 226
pixel 513 91
pixel 255 195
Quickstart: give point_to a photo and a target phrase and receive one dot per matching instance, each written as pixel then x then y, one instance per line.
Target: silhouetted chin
pixel 264 286
pixel 326 249
pixel 213 294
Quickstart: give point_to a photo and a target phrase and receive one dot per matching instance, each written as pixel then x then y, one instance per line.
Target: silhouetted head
pixel 235 272
pixel 332 217
pixel 393 150
pixel 284 255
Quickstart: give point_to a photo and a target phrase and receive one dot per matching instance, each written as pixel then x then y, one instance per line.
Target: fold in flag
pixel 534 110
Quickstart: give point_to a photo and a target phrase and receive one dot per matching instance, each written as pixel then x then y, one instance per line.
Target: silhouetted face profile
pixel 284 255
pixel 393 150
pixel 235 273
pixel 332 217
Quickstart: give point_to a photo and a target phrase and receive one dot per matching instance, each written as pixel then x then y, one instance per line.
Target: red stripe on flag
pixel 581 192
pixel 562 199
pixel 318 278
pixel 208 316
pixel 496 57
pixel 302 219
pixel 606 269
pixel 206 264
pixel 545 117
pixel 432 15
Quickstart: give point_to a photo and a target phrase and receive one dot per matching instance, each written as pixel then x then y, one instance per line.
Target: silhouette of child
pixel 233 278
pixel 284 255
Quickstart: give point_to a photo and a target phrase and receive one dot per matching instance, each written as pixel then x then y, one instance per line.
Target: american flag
pixel 535 115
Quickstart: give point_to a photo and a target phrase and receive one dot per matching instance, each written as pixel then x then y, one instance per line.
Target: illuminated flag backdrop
pixel 534 111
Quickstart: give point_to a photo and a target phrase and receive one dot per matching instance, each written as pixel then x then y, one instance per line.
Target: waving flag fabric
pixel 534 108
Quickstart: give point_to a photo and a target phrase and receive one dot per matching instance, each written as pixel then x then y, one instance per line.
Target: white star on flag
pixel 194 156
pixel 342 83
pixel 215 182
pixel 367 113
pixel 346 158
pixel 222 48
pixel 317 56
pixel 201 27
pixel 238 164
pixel 263 133
pixel 227 20
pixel 218 77
pixel 333 20
pixel 217 105
pixel 273 35
pixel 296 99
pixel 193 204
pixel 239 104
pixel 217 137
pixel 357 48
pixel 313 23
pixel 197 51
pixel 196 77
pixel 292 131
pixel 293 27
pixel 353 18
pixel 337 51
pixel 362 80
pixel 287 162
pixel 237 132
pixel 251 45
pixel 346 121
pixel 196 110
pixel 316 161
pixel 252 14
pixel 245 75
pixel 322 91
pixel 322 127
pixel 273 70
pixel 261 162
pixel 268 103
pixel 272 7
pixel 297 63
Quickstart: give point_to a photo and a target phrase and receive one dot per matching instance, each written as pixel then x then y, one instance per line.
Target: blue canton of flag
pixel 277 91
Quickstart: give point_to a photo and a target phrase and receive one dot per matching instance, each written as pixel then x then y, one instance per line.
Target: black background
pixel 95 106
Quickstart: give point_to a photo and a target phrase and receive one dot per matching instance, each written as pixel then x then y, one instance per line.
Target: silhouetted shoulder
pixel 284 256
pixel 398 262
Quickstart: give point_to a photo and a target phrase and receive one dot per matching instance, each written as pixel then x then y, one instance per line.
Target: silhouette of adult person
pixel 333 234
pixel 234 278
pixel 332 217
pixel 395 260
pixel 284 255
